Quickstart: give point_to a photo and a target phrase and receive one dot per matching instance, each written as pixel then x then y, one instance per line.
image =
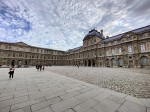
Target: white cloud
pixel 63 24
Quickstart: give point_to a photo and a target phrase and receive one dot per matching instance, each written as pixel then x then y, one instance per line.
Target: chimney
pixel 101 31
pixel 107 37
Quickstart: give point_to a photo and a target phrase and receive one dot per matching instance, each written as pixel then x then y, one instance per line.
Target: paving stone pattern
pixel 45 91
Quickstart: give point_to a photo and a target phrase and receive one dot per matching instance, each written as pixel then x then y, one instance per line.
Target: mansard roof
pixel 94 33
pixel 136 31
pixel 75 49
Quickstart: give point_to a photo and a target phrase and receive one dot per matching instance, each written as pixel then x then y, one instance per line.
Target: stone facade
pixel 129 49
pixel 21 54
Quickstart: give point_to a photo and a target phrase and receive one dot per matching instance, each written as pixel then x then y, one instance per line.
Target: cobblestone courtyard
pixel 135 82
pixel 45 91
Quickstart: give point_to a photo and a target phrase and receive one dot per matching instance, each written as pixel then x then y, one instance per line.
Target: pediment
pixel 22 44
pixel 128 34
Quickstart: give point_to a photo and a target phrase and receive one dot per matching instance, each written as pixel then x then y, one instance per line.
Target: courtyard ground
pixel 135 82
pixel 45 91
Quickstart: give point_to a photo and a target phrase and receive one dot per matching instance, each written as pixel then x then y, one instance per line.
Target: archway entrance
pixel 120 62
pixel 113 62
pixel 107 63
pixel 19 63
pixel 25 62
pixel 13 63
pixel 100 63
pixel 89 62
pixel 93 62
pixel 130 63
pixel 143 61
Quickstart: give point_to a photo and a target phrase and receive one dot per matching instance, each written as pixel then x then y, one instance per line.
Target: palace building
pixel 129 49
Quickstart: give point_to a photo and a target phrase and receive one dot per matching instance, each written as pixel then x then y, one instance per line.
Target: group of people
pixel 40 67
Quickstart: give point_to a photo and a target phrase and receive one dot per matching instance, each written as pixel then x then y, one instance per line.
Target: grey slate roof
pixel 136 31
pixel 75 49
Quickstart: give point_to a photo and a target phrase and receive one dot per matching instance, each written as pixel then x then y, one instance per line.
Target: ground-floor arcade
pixel 130 61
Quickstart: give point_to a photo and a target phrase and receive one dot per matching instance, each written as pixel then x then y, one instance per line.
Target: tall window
pixel 142 46
pixel 119 50
pixel 113 51
pixel 129 48
pixel 6 46
pixel 20 55
pixel 13 54
pixel 107 52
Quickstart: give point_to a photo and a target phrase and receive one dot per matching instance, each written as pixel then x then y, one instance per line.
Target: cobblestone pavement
pixel 135 82
pixel 35 91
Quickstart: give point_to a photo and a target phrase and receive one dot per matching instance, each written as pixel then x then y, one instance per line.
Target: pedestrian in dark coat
pixel 11 72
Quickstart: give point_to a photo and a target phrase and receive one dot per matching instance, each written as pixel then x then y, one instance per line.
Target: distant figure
pixel 37 67
pixel 77 65
pixel 43 67
pixel 40 66
pixel 11 72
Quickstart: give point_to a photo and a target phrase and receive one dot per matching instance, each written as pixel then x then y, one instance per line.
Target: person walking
pixel 37 67
pixel 11 72
pixel 43 68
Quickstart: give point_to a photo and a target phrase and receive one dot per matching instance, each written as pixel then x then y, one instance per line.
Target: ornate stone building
pixel 129 49
pixel 21 54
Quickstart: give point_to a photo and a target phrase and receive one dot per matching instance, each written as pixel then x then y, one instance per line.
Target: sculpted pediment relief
pixel 22 44
pixel 129 34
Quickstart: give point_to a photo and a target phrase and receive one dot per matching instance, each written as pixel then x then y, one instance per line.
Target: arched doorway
pixel 89 62
pixel 107 62
pixel 93 62
pixel 120 62
pixel 143 61
pixel 85 63
pixel 25 62
pixel 100 63
pixel 130 63
pixel 13 63
pixel 113 62
pixel 19 63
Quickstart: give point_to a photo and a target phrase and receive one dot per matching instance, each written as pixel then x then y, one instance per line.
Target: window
pixel 129 48
pixel 6 46
pixel 142 46
pixel 119 50
pixel 107 52
pixel 20 55
pixel 113 51
pixel 145 35
pixel 13 54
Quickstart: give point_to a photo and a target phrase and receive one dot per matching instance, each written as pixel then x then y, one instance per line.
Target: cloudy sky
pixel 62 24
